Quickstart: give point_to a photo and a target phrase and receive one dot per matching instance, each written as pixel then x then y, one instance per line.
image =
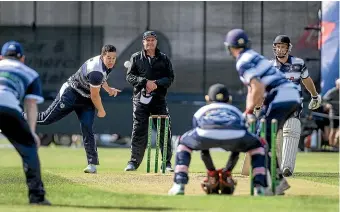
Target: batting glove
pixel 315 102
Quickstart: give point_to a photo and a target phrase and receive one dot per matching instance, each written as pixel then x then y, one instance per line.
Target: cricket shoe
pixel 44 202
pixel 91 169
pixel 263 191
pixel 168 167
pixel 287 172
pixel 130 167
pixel 38 200
pixel 282 187
pixel 177 189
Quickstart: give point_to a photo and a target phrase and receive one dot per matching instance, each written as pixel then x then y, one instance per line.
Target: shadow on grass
pixel 330 178
pixel 317 174
pixel 116 207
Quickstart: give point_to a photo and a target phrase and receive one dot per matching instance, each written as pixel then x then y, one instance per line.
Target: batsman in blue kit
pixel 267 85
pixel 219 124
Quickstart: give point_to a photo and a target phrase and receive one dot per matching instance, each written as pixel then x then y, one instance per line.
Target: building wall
pixel 182 23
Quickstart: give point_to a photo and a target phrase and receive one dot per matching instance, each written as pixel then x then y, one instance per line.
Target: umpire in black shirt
pixel 151 74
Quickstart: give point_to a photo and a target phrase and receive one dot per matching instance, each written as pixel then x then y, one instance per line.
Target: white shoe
pixel 169 169
pixel 177 189
pixel 282 187
pixel 90 169
pixel 263 191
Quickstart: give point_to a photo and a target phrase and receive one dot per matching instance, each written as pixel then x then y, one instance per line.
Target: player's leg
pixel 290 146
pixel 193 140
pixel 182 162
pixel 16 129
pixel 333 132
pixel 252 144
pixel 60 107
pixel 232 161
pixel 233 140
pixel 160 108
pixel 139 135
pixel 290 143
pixel 280 111
pixel 86 115
pixel 207 160
pixel 337 139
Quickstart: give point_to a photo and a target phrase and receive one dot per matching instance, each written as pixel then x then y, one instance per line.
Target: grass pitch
pixel 315 186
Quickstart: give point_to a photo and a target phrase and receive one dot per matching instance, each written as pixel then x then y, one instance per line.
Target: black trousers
pixel 67 101
pixel 17 131
pixel 141 113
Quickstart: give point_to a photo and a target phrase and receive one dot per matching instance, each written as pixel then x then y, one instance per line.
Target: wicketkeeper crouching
pixel 219 125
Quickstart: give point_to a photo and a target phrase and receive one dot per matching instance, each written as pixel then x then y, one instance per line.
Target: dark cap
pixel 237 38
pixel 218 93
pixel 148 34
pixel 282 39
pixel 12 49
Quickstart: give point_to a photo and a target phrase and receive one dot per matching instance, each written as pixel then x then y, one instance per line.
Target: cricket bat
pixel 246 165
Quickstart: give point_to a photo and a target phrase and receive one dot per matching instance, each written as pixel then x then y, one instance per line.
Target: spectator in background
pixel 322 122
pixel 331 99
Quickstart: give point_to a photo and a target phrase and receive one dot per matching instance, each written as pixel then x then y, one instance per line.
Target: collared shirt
pixel 92 73
pixel 17 82
pixel 251 64
pixel 294 70
pixel 219 115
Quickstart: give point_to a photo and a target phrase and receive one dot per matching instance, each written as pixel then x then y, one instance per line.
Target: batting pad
pixel 291 137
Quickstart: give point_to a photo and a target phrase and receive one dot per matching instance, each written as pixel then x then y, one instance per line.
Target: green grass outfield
pixel 315 186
